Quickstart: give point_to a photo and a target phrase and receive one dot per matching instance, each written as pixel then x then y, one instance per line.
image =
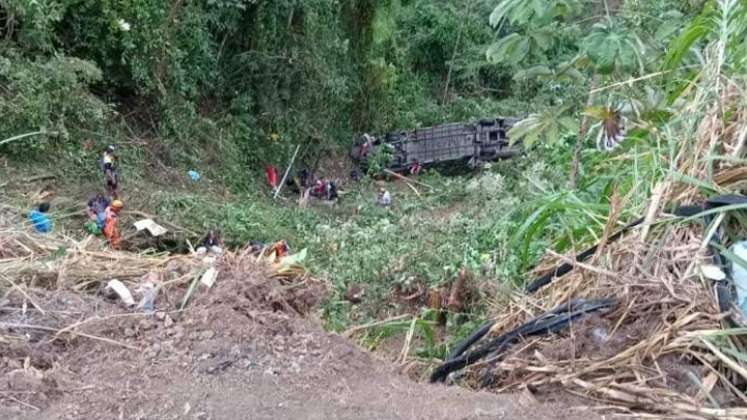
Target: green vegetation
pixel 205 85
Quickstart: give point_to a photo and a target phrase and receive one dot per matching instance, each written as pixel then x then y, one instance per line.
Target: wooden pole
pixel 287 171
pixel 23 136
pixel 406 179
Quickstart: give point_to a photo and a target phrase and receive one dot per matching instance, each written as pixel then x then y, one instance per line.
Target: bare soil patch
pixel 249 347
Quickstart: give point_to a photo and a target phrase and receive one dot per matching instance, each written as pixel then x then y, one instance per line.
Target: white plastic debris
pixel 124 25
pixel 712 272
pixel 122 291
pixel 739 272
pixel 152 227
pixel 208 278
pixel 385 199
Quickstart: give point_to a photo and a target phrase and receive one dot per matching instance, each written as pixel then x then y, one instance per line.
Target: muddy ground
pixel 240 350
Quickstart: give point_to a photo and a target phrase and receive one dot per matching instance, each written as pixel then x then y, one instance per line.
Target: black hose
pixel 546 323
pixel 565 268
pixel 472 339
pixel 458 360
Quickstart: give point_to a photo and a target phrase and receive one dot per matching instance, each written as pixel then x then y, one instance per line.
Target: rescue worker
pixel 279 250
pixel 95 209
pixel 318 189
pixel 111 217
pixel 367 146
pixel 211 243
pixel 330 190
pixel 415 168
pixel 108 165
pixel 39 218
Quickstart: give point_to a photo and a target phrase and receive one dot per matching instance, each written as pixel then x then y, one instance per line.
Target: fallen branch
pixel 40 178
pixel 10 397
pixel 71 327
pixel 413 189
pixel 406 347
pixel 406 179
pixel 349 333
pixel 89 336
pixel 23 292
pixel 287 171
pixel 23 136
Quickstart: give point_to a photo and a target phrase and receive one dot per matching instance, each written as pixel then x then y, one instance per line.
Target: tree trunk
pixel 576 163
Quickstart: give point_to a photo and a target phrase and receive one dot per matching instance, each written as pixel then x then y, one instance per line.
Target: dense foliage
pixel 209 82
pixel 602 87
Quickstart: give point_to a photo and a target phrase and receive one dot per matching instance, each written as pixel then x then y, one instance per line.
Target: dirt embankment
pixel 247 348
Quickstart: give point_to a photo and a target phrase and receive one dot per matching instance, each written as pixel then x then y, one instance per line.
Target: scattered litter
pixel 294 259
pixel 215 250
pixel 712 272
pixel 208 279
pixel 152 227
pixel 122 291
pixel 739 249
pixel 384 198
pixel 194 175
pixel 600 335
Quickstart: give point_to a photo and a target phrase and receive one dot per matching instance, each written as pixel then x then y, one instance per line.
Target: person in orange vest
pixel 111 216
pixel 280 249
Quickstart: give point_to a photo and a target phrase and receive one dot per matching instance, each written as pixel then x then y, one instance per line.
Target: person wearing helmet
pixel 108 165
pixel 111 217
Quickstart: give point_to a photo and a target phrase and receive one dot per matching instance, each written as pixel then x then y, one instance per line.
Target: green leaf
pixel 699 29
pixel 543 38
pixel 510 49
pixel 569 124
pixel 610 46
pixel 535 72
pixel 296 258
pixel 671 22
pixel 549 125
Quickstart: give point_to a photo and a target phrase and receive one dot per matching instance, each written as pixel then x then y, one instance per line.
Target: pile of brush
pixel 52 262
pixel 661 342
pixel 660 348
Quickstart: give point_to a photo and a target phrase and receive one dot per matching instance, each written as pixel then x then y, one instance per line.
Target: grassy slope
pixel 422 241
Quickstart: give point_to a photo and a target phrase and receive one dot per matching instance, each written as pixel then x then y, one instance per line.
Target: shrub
pixel 48 94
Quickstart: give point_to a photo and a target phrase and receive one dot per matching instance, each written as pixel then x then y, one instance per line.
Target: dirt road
pixel 319 377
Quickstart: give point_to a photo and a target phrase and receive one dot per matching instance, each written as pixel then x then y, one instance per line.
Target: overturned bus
pixel 470 143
